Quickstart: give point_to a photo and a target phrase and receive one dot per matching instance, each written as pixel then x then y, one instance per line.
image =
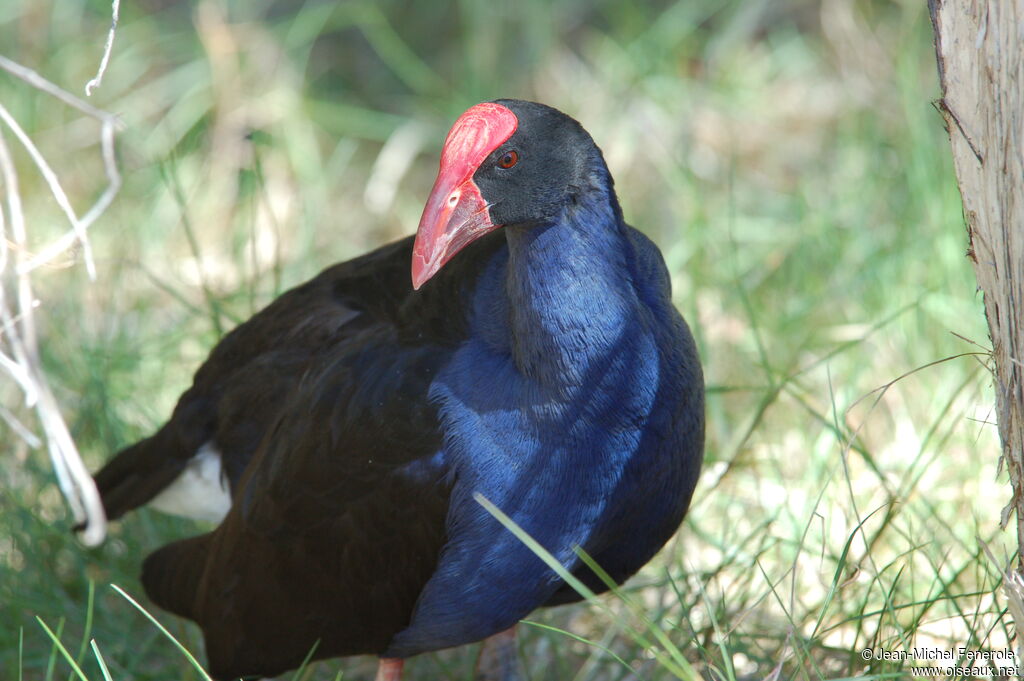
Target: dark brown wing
pixel 338 517
pixel 241 387
pixel 334 529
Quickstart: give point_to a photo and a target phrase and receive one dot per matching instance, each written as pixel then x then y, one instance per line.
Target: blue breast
pixel 588 435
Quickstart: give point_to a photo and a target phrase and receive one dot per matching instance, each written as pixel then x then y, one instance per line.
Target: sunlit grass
pixel 785 157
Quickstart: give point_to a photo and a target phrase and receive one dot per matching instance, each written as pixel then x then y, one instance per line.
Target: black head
pixel 547 163
pixel 506 162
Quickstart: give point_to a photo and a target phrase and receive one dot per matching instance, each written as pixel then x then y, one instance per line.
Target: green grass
pixel 785 156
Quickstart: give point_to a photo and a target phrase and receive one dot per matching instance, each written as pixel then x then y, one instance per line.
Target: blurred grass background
pixel 784 154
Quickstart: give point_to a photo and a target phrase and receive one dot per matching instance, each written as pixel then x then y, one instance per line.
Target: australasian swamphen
pixel 535 359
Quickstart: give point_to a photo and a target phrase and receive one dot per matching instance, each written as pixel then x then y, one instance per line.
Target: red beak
pixel 456 214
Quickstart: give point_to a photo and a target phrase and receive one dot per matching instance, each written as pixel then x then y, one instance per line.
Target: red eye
pixel 509 159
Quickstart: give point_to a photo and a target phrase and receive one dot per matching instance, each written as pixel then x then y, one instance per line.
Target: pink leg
pixel 499 658
pixel 390 669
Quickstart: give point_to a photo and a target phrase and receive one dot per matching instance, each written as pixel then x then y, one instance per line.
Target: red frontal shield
pixel 456 214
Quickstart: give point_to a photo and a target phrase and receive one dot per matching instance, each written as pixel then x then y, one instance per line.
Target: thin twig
pixel 17 330
pixel 110 123
pixel 17 340
pixel 20 428
pixel 95 82
pixel 74 480
pixel 943 105
pixel 38 82
pixel 56 189
pixel 58 246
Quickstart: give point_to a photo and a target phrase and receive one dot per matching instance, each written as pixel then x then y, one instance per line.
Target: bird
pixel 343 437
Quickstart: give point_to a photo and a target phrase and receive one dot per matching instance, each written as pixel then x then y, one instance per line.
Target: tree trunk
pixel 979 45
pixel 980 50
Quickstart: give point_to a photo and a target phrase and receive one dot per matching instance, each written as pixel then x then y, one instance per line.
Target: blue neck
pixel 561 409
pixel 570 291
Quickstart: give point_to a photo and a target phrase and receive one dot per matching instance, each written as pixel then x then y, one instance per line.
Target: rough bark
pixel 980 49
pixel 979 45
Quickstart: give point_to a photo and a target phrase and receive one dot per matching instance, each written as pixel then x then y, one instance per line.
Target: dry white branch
pixel 54 183
pixel 109 124
pixel 107 49
pixel 38 82
pixel 21 429
pixel 18 304
pixel 20 332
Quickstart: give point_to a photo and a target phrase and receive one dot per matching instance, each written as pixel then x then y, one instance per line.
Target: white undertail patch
pixel 200 492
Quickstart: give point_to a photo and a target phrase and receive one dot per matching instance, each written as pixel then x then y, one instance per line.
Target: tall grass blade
pixel 63 651
pixel 163 630
pixel 684 671
pixel 100 661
